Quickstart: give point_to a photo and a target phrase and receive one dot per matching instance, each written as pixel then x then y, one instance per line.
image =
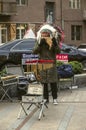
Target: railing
pixel 7 8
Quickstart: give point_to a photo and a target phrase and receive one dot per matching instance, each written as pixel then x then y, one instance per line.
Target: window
pixel 20 31
pixel 49 12
pixel 0 7
pixel 3 34
pixel 76 31
pixel 74 4
pixel 21 2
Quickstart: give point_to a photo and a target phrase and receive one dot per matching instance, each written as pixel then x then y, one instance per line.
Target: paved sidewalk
pixel 69 114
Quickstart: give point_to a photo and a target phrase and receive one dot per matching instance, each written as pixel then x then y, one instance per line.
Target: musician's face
pixel 46 35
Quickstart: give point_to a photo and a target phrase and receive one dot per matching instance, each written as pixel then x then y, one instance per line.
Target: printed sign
pixel 62 57
pixel 29 59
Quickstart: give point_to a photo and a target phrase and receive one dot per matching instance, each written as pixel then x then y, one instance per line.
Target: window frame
pixel 76 32
pixel 75 4
pixel 20 28
pixel 49 12
pixel 2 28
pixel 20 3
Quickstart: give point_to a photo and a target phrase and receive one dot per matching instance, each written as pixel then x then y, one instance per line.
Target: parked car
pixel 82 47
pixel 11 52
pixel 74 54
pixel 1 44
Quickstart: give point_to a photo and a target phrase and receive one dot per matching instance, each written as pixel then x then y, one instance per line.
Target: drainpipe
pixel 61 12
pixel 62 21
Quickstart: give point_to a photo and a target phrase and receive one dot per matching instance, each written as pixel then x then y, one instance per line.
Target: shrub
pixel 58 63
pixel 77 67
pixel 3 72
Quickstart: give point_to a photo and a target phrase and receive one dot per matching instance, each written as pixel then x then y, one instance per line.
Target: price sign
pixel 62 57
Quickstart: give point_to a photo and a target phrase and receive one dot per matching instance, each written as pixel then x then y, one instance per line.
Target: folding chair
pixel 34 96
pixel 63 82
pixel 5 84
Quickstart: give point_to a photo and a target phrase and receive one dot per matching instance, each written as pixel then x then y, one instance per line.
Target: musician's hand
pixel 38 77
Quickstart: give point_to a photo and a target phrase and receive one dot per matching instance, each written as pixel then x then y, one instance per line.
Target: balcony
pixel 84 14
pixel 7 8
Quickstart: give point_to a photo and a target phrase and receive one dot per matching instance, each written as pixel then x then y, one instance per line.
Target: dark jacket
pixel 45 52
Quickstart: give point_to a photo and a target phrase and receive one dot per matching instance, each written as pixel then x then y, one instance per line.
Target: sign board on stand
pixel 62 57
pixel 30 60
pixel 35 64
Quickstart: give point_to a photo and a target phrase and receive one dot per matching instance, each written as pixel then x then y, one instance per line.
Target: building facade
pixel 16 16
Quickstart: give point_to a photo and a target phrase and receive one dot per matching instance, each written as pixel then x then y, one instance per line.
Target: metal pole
pixel 61 12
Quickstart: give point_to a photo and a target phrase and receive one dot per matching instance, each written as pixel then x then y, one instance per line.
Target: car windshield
pixel 27 44
pixel 8 45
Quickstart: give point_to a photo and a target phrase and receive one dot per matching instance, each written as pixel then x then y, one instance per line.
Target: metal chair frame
pixel 14 72
pixel 33 97
pixel 65 80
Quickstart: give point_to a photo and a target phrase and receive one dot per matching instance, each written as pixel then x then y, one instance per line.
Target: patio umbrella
pixel 29 34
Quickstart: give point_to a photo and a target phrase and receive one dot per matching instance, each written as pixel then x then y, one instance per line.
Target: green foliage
pixel 77 67
pixel 58 63
pixel 3 72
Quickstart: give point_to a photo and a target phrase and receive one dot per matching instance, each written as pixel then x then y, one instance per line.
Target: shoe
pixel 55 101
pixel 45 100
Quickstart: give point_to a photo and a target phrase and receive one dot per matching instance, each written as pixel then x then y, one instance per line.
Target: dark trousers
pixel 53 90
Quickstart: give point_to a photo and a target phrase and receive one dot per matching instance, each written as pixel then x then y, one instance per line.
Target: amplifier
pixel 9 81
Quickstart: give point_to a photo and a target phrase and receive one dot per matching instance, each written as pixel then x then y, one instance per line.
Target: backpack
pixel 65 71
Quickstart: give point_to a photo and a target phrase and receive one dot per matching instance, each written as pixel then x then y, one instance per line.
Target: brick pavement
pixel 69 114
